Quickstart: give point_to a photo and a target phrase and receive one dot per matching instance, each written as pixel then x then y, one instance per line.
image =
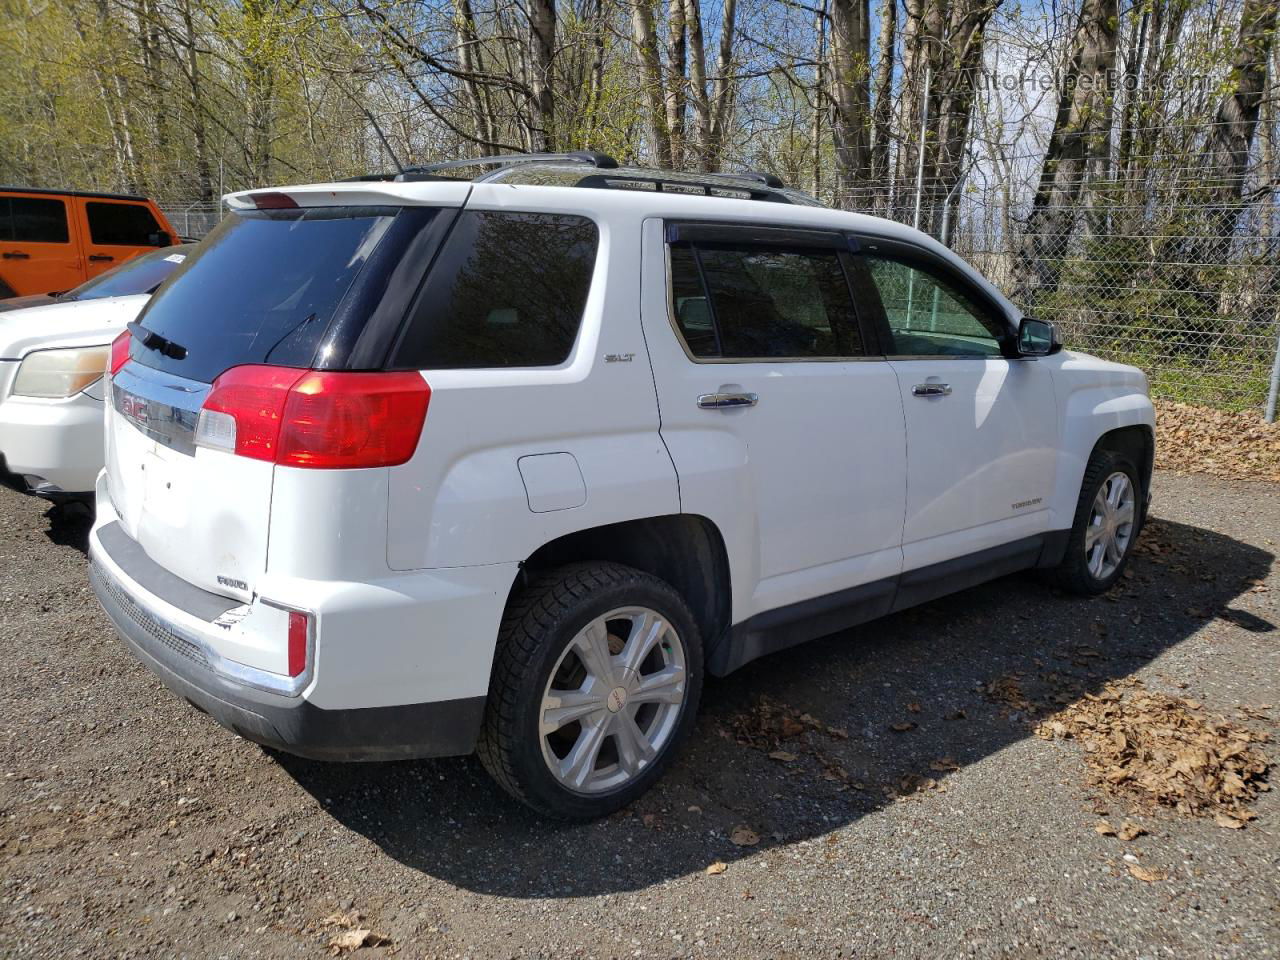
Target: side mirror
pixel 161 238
pixel 1037 338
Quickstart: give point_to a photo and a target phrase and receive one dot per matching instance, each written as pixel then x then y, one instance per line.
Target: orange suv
pixel 53 240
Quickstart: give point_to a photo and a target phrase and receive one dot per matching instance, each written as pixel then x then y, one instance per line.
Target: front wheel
pixel 1107 521
pixel 595 683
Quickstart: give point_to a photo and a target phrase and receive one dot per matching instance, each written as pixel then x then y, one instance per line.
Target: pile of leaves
pixel 768 723
pixel 1159 751
pixel 1233 446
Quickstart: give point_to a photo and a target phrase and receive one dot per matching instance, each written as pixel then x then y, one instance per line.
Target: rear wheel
pixel 595 682
pixel 1107 521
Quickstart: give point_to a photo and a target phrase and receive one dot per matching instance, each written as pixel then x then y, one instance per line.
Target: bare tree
pixel 1080 134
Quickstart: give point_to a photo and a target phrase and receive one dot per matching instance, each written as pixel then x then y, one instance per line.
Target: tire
pixel 558 616
pixel 1079 572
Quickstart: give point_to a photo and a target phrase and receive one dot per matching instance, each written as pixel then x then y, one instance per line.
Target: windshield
pixel 262 288
pixel 140 275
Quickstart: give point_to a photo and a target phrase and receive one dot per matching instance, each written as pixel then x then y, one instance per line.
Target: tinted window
pixel 930 316
pixel 122 224
pixel 263 287
pixel 507 290
pixel 764 303
pixel 33 220
pixel 142 274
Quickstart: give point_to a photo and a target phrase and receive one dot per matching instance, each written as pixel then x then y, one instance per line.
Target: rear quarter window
pixel 122 225
pixel 507 290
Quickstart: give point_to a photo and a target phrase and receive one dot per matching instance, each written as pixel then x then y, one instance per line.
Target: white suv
pixel 419 466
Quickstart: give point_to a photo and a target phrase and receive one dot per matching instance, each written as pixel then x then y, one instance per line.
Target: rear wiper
pixel 154 341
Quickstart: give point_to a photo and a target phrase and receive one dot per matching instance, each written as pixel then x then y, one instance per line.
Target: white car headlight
pixel 60 373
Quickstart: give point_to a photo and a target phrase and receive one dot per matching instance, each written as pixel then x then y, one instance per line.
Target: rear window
pixel 33 220
pixel 264 286
pixel 507 290
pixel 139 275
pixel 123 225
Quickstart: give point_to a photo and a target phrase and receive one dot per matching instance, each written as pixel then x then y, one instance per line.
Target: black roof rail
pixel 758 176
pixel 601 161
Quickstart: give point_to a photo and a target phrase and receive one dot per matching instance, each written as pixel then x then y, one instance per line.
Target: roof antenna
pixel 378 130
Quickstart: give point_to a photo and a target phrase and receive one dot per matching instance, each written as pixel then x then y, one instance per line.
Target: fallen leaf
pixel 355 939
pixel 717 868
pixel 1130 831
pixel 1228 821
pixel 944 763
pixel 744 836
pixel 902 727
pixel 782 756
pixel 913 707
pixel 956 715
pixel 1104 829
pixel 788 728
pixel 1145 874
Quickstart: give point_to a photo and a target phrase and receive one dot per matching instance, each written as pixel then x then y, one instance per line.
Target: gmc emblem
pixel 135 408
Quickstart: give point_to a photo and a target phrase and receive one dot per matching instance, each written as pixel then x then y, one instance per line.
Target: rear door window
pixel 756 302
pixel 507 290
pixel 122 225
pixel 265 285
pixel 33 220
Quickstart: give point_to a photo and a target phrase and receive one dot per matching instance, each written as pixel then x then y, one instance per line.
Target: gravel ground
pixel 132 825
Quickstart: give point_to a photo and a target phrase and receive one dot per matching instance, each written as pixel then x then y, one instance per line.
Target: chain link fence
pixel 1165 277
pixel 193 219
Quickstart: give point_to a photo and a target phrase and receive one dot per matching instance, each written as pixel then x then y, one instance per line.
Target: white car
pixel 53 356
pixel 413 467
pixel 52 362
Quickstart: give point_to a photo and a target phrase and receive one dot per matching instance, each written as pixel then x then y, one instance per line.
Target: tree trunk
pixel 701 139
pixel 849 67
pixel 676 58
pixel 723 88
pixel 1226 152
pixel 645 38
pixel 542 40
pixel 882 109
pixel 1079 137
pixel 470 60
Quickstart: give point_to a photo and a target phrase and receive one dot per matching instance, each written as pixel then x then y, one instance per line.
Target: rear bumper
pixel 167 639
pixel 55 445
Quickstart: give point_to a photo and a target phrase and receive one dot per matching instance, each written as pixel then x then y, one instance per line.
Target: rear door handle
pixel 100 257
pixel 15 255
pixel 931 390
pixel 723 401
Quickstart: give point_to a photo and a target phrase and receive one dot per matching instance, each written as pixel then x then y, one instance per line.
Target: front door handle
pixel 724 401
pixel 100 257
pixel 15 255
pixel 931 390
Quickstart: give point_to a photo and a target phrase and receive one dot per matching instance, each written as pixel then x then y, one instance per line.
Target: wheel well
pixel 685 550
pixel 1137 444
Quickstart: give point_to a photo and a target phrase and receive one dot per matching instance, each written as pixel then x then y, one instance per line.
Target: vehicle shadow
pixel 69 523
pixel 972 673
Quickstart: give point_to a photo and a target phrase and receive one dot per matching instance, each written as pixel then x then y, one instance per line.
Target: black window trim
pixel 914 255
pixel 737 233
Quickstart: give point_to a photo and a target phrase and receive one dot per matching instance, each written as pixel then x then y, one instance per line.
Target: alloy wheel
pixel 1110 530
pixel 613 700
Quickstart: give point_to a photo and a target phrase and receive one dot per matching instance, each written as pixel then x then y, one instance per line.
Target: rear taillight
pixel 119 352
pixel 318 419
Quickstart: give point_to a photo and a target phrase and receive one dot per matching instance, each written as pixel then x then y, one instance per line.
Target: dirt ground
pixel 941 825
